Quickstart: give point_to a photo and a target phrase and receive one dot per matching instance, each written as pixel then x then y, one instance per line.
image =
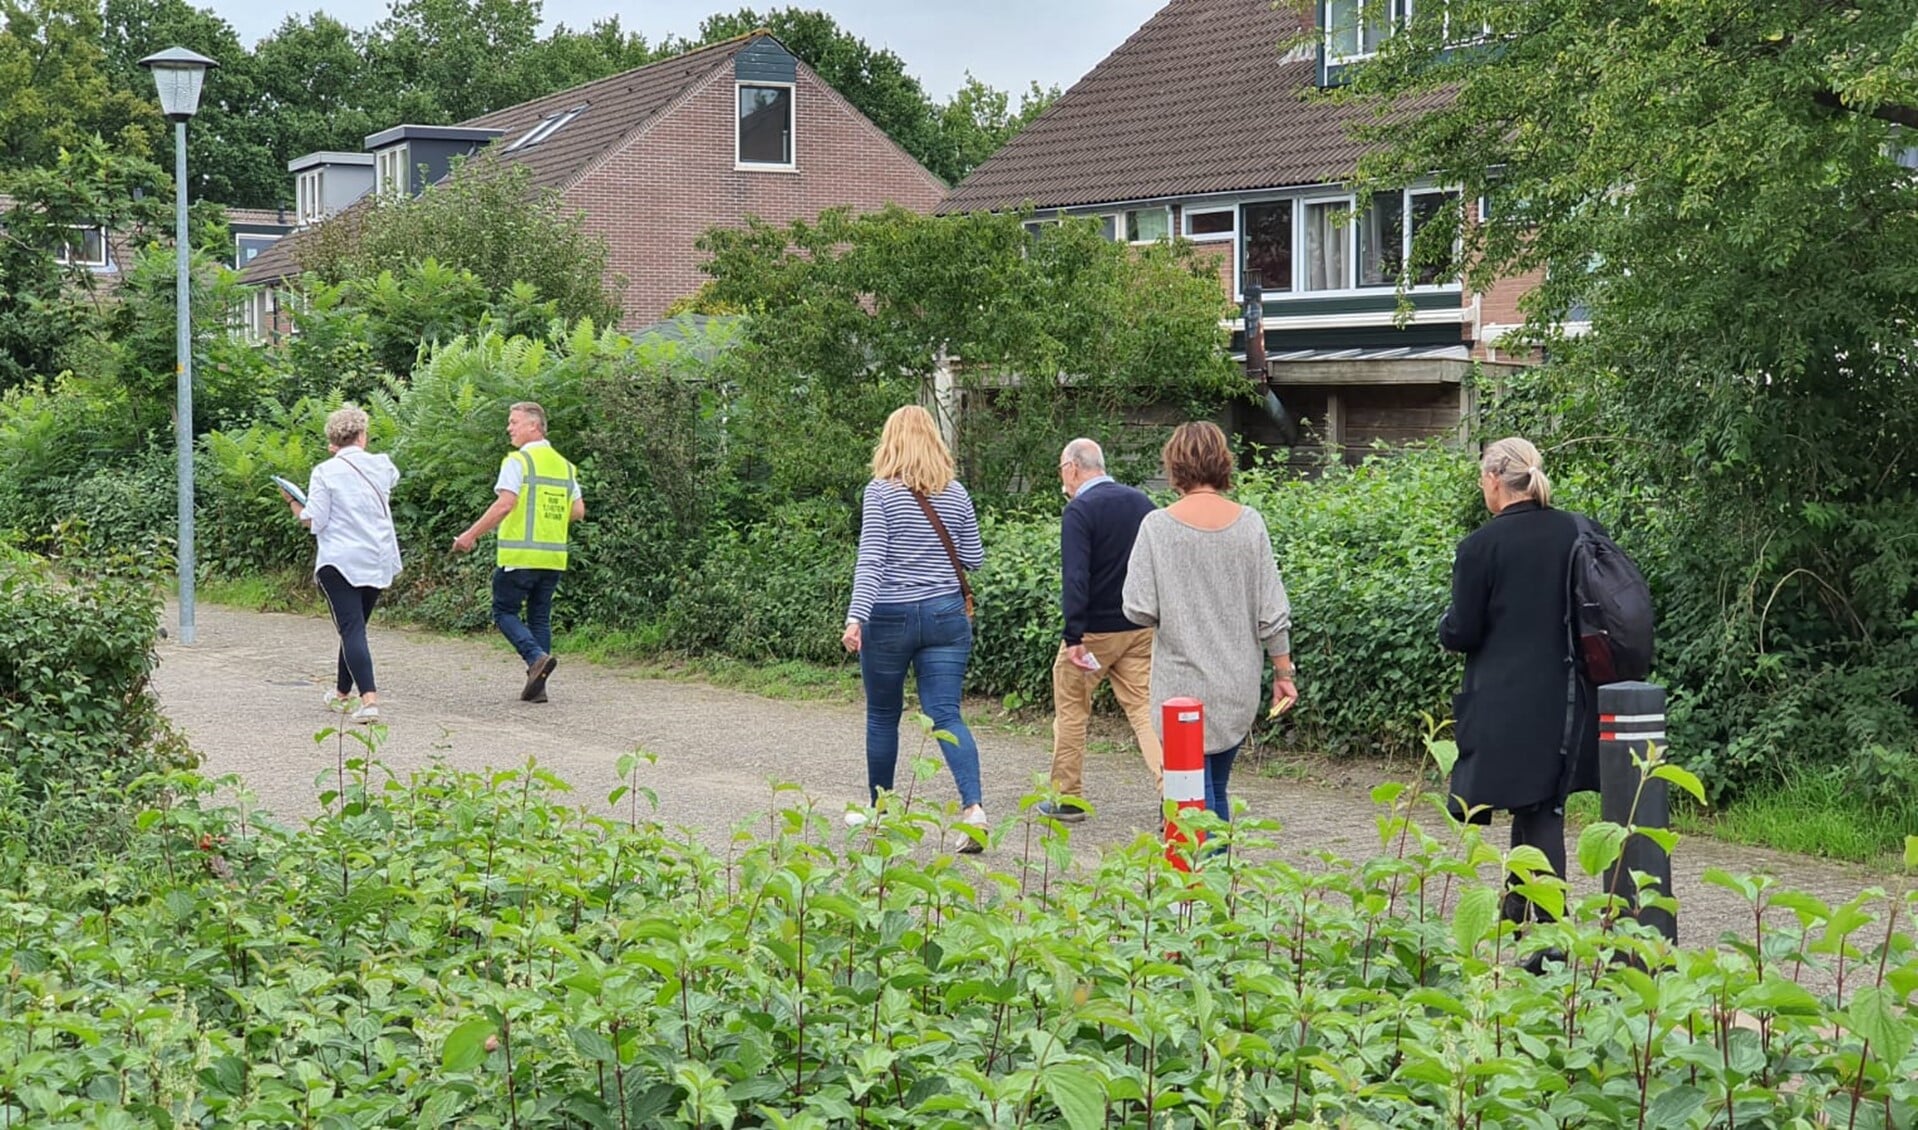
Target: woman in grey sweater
pixel 1203 574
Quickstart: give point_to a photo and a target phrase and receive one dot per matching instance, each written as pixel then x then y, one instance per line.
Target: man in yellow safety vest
pixel 538 498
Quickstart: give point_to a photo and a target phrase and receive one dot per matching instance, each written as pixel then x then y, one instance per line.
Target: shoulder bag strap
pixel 377 493
pixel 952 551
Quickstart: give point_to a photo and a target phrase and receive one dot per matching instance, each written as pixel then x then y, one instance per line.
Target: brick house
pixel 655 156
pixel 1200 127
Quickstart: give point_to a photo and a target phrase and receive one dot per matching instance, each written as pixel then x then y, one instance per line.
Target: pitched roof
pixel 1202 98
pixel 615 108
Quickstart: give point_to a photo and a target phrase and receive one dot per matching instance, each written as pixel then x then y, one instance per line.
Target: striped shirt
pixel 901 559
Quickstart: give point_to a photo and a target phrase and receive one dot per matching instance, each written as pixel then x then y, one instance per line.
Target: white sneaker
pixel 856 817
pixel 335 702
pixel 366 714
pixel 964 843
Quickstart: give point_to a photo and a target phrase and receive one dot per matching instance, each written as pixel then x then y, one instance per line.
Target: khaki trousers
pixel 1126 659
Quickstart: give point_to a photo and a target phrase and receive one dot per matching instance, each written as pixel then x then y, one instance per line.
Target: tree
pixel 487 220
pixel 450 60
pixel 1718 183
pixel 56 87
pixel 978 121
pixel 1045 337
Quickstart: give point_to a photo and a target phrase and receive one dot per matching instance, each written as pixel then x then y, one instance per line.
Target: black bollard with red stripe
pixel 1631 719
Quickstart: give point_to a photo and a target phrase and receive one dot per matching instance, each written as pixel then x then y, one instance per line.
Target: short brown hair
pixel 1197 455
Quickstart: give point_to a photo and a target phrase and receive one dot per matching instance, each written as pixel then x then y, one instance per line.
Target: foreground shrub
pixel 468 950
pixel 78 724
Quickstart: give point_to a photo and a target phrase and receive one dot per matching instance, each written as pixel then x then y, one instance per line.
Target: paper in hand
pixel 1280 706
pixel 292 489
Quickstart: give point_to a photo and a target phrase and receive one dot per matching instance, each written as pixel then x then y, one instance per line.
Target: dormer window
pixel 1355 28
pixel 390 171
pixel 83 247
pixel 545 128
pixel 309 207
pixel 764 136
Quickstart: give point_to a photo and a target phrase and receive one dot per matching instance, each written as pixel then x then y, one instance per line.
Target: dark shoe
pixel 1535 964
pixel 1064 811
pixel 536 675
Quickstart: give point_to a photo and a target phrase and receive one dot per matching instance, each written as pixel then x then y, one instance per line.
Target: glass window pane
pixel 1341 28
pixel 766 125
pixel 1382 241
pixel 1424 207
pixel 1109 227
pixel 1374 25
pixel 1268 243
pixel 1218 222
pixel 1146 225
pixel 1326 265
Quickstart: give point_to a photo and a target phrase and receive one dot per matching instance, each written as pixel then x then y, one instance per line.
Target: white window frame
pixel 792 141
pixel 391 174
pixel 64 254
pixel 250 235
pixel 1185 224
pixel 546 127
pixel 1120 218
pixel 1407 9
pixel 309 196
pixel 1405 256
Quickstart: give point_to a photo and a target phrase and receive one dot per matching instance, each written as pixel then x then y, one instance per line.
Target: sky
pixel 1005 43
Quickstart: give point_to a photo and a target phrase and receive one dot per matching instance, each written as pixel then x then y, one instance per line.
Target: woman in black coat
pixel 1525 720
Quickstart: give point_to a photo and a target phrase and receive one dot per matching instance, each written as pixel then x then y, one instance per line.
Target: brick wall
pixel 1498 307
pixel 653 199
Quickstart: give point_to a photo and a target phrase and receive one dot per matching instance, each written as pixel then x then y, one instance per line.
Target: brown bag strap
pixel 952 551
pixel 378 494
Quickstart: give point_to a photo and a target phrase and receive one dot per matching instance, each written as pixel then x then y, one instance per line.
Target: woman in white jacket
pixel 349 509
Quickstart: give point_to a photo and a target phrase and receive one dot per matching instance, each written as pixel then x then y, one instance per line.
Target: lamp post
pixel 179 75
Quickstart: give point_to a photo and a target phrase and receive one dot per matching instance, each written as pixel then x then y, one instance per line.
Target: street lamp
pixel 179 74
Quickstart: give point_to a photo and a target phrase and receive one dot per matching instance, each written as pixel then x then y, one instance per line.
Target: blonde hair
pixel 532 412
pixel 347 423
pixel 911 452
pixel 1515 463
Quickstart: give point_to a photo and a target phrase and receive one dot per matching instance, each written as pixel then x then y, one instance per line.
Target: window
pixel 310 207
pixel 546 127
pixel 1387 234
pixel 257 316
pixel 1327 238
pixel 765 131
pixel 1147 225
pixel 1109 226
pixel 248 247
pixel 1452 33
pixel 1268 244
pixel 390 173
pixel 83 247
pixel 1355 28
pixel 1212 223
pixel 1037 228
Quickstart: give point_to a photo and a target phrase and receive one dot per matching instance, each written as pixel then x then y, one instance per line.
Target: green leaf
pixel 1872 1016
pixel 1599 846
pixel 1078 1095
pixel 1674 1106
pixel 1444 754
pixel 1779 996
pixel 1683 778
pixel 466 1045
pixel 1911 853
pixel 1476 914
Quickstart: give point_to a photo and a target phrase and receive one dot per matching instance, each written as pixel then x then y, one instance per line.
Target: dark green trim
pixel 1383 301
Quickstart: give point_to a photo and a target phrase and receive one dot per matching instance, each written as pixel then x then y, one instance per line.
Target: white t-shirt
pixel 512 472
pixel 347 502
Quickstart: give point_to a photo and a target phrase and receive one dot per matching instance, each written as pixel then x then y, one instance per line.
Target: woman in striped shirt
pixel 908 608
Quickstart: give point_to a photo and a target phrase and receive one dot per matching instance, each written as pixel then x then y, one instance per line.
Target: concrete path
pixel 248 695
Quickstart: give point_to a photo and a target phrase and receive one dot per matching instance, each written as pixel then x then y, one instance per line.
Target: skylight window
pixel 547 127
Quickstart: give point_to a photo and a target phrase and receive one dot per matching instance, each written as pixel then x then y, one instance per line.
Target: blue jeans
pixel 1218 771
pixel 933 638
pixel 533 590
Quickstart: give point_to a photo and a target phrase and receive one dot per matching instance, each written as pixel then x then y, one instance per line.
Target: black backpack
pixel 1610 614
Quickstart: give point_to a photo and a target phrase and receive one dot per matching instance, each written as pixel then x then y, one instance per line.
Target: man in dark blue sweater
pixel 1095 544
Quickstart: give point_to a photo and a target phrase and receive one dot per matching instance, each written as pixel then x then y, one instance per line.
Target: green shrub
pixel 78 725
pixel 775 591
pixel 1016 631
pixel 480 950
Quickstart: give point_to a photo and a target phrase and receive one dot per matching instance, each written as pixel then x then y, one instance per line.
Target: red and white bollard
pixel 1182 722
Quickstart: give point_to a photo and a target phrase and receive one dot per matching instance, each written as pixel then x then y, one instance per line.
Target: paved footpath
pixel 248 695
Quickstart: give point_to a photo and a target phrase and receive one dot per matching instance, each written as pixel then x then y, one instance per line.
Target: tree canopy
pixel 69 70
pixel 1724 188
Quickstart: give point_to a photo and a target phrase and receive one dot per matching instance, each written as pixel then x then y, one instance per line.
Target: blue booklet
pixel 291 488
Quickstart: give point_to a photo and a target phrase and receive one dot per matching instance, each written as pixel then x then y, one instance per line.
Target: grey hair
pixel 1084 454
pixel 347 423
pixel 532 411
pixel 1519 469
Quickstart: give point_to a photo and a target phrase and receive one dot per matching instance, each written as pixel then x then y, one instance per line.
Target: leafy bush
pixel 78 726
pixel 479 950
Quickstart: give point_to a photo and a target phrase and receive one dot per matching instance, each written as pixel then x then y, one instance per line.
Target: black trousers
pixel 352 605
pixel 1541 826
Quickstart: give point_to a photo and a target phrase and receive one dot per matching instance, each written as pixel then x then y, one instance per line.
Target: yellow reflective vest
pixel 533 536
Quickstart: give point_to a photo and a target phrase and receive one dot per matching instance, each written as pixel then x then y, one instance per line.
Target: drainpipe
pixel 1256 369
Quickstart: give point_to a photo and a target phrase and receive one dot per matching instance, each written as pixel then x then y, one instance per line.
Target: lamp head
pixel 179 75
